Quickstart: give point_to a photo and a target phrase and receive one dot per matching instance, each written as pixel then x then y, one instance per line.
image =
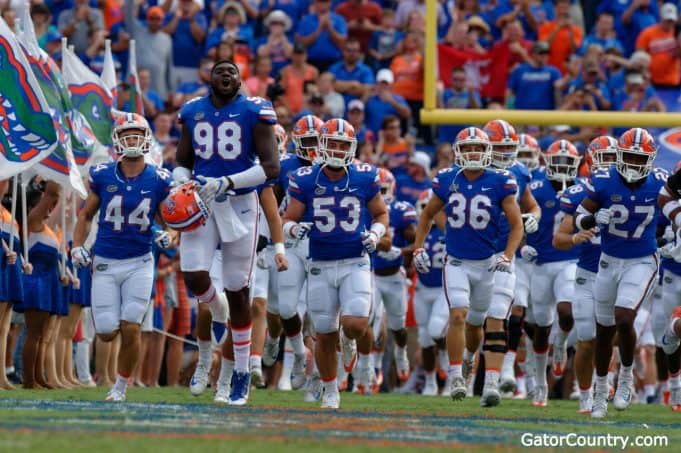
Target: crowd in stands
pixel 363 60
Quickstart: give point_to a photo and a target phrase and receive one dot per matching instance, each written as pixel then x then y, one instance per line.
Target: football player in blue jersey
pixel 474 198
pixel 553 273
pixel 284 312
pixel 622 202
pixel 504 142
pixel 431 313
pixel 391 288
pixel 222 135
pixel 129 193
pixel 336 197
pixel 601 154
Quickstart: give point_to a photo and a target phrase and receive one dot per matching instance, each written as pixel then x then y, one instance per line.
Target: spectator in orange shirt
pixel 294 76
pixel 393 150
pixel 661 42
pixel 563 36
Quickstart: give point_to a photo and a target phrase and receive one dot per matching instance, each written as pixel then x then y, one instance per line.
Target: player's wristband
pixel 378 229
pixel 288 228
pixel 252 177
pixel 585 221
pixel 279 248
pixel 181 174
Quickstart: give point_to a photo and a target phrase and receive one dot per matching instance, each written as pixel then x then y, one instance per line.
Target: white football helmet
pixel 130 144
pixel 338 143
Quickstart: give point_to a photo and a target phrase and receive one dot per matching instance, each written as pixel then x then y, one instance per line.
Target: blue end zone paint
pixel 202 419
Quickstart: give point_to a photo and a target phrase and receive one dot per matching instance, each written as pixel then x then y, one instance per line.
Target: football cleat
pixel 222 393
pixel 541 396
pixel 599 409
pixel 559 360
pixel 507 383
pixel 297 379
pixel 365 378
pixel 313 390
pixel 349 348
pixel 457 389
pixel 490 396
pixel 330 400
pixel 240 385
pixel 402 365
pixel 586 402
pixel 257 378
pixel 115 396
pixel 284 383
pixel 670 342
pixel 199 380
pixel 271 351
pixel 623 394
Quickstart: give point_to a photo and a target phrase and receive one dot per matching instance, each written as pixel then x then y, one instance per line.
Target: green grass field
pixel 166 420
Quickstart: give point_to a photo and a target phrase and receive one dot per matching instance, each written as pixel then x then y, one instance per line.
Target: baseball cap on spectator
pixel 422 160
pixel 669 12
pixel 477 21
pixel 278 16
pixel 385 75
pixel 635 78
pixel 560 128
pixel 540 47
pixel 640 58
pixel 355 104
pixel 299 48
pixel 53 35
pixel 233 7
pixel 155 12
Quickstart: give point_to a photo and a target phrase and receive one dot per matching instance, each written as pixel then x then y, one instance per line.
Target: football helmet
pixel 282 138
pixel 130 144
pixel 423 200
pixel 601 153
pixel 636 151
pixel 528 151
pixel 504 141
pixel 562 161
pixel 472 150
pixel 337 143
pixel 305 137
pixel 386 182
pixel 183 209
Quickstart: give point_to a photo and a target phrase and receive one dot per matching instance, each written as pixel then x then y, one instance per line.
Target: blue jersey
pixel 631 232
pixel 522 178
pixel 222 138
pixel 473 210
pixel 551 215
pixel 589 252
pixel 402 214
pixel 335 208
pixel 435 247
pixel 127 209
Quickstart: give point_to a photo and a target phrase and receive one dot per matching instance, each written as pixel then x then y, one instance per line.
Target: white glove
pixel 669 235
pixel 667 250
pixel 604 216
pixel 301 230
pixel 261 262
pixel 163 239
pixel 210 188
pixel 530 223
pixel 392 254
pixel 369 241
pixel 528 253
pixel 503 264
pixel 421 261
pixel 80 257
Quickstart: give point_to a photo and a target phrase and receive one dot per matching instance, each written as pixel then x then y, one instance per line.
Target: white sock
pixel 509 361
pixel 649 389
pixel 520 383
pixel 330 386
pixel 626 373
pixel 467 355
pixel 399 352
pixel 602 383
pixel 82 359
pixel 121 383
pixel 205 353
pixel 675 381
pixel 491 377
pixel 455 370
pixel 664 386
pixel 242 348
pixel 378 359
pixel 255 361
pixel 9 370
pixel 561 337
pixel 364 361
pixel 585 393
pixel 288 363
pixel 431 380
pixel 226 368
pixel 443 357
pixel 297 344
pixel 540 361
pixel 216 302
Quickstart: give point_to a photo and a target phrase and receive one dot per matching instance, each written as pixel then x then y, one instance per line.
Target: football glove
pixel 80 257
pixel 369 241
pixel 604 216
pixel 421 261
pixel 163 239
pixel 392 254
pixel 528 253
pixel 503 264
pixel 530 223
pixel 211 188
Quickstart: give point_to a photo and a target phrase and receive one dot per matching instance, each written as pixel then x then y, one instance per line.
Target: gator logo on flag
pixel 671 139
pixel 95 103
pixel 27 130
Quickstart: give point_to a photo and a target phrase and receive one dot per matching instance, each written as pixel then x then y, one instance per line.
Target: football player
pixel 391 288
pixel 222 134
pixel 474 198
pixel 505 142
pixel 622 202
pixel 336 196
pixel 553 274
pixel 129 193
pixel 601 154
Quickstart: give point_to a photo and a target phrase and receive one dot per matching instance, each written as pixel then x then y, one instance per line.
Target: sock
pixel 378 359
pixel 330 386
pixel 455 369
pixel 363 361
pixel 522 368
pixel 242 348
pixel 216 302
pixel 467 355
pixel 627 372
pixel 521 385
pixel 288 363
pixel 675 381
pixel 509 360
pixel 399 352
pixel 443 356
pixel 649 389
pixel 226 368
pixel 255 361
pixel 430 379
pixel 561 337
pixel 584 393
pixel 664 386
pixel 9 370
pixel 492 377
pixel 121 383
pixel 297 344
pixel 611 377
pixel 205 353
pixel 602 383
pixel 530 383
pixel 540 361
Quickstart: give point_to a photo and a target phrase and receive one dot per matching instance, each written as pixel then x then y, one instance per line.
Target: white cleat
pixel 402 366
pixel 297 379
pixel 559 360
pixel 115 396
pixel 623 394
pixel 430 389
pixel 349 351
pixel 675 398
pixel 271 351
pixel 222 394
pixel 586 403
pixel 457 389
pixel 507 383
pixel 490 397
pixel 541 396
pixel 365 378
pixel 576 394
pixel 257 378
pixel 330 400
pixel 199 380
pixel 670 342
pixel 599 409
pixel 284 383
pixel 313 390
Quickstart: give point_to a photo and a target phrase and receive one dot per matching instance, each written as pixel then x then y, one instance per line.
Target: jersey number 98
pixel 223 139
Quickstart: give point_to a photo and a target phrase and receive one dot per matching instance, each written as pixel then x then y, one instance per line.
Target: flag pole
pixel 13 211
pixel 62 215
pixel 24 224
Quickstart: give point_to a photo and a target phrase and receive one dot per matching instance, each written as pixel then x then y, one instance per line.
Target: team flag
pixel 135 102
pixel 28 134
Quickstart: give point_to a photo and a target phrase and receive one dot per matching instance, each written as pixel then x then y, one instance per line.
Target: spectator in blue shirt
pixel 355 117
pixel 411 183
pixel 530 14
pixel 187 27
pixel 353 78
pixel 192 89
pixel 323 33
pixel 460 95
pixel 533 85
pixel 591 82
pixel 383 43
pixel 638 15
pixel 232 26
pixel 603 34
pixel 384 102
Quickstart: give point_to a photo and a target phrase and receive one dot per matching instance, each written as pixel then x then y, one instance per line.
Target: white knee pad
pixel 133 310
pixel 439 319
pixel 425 340
pixel 476 317
pixel 324 322
pixel 543 313
pixel 586 329
pixel 105 321
pixel 290 284
pixel 605 313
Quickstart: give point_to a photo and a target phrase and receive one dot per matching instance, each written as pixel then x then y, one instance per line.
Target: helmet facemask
pixel 307 145
pixel 337 150
pixel 472 154
pixel 561 167
pixel 133 141
pixel 504 154
pixel 634 165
